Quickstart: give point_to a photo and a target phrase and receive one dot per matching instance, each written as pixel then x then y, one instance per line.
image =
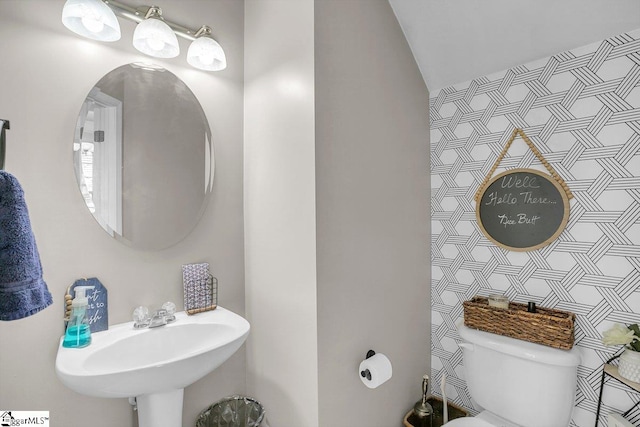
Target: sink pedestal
pixel 160 409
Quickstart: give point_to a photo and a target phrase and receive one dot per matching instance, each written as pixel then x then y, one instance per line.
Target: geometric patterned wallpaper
pixel 581 109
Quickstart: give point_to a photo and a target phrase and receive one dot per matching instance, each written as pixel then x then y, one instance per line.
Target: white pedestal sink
pixel 153 365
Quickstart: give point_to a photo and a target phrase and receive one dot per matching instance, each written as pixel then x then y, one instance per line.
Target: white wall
pixel 46 73
pixel 279 196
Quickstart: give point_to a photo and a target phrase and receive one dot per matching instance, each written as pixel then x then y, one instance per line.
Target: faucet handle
pixel 141 317
pixel 171 311
pixel 170 307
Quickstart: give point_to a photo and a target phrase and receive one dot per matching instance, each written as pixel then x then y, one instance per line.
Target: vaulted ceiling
pixel 454 41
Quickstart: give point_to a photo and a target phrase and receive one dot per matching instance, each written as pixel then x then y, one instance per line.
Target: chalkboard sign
pixel 522 209
pixel 98 308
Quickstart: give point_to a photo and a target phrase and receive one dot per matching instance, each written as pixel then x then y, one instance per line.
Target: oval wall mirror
pixel 143 156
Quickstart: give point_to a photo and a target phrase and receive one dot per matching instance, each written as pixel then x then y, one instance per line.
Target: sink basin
pixel 154 365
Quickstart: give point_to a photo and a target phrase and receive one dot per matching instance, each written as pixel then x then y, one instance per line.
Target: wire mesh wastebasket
pixel 234 411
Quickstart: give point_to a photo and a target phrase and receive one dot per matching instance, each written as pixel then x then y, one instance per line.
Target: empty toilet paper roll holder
pixel 366 373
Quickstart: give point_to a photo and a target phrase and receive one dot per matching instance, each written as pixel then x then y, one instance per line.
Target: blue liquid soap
pixel 77 336
pixel 78 333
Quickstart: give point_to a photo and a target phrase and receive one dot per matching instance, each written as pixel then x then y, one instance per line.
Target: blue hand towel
pixel 23 292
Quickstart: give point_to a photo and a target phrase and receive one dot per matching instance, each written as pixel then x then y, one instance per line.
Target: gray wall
pixel 46 73
pixel 336 211
pixel 372 187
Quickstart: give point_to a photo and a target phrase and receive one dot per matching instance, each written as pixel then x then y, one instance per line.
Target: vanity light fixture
pixel 92 19
pixel 205 53
pixel 153 36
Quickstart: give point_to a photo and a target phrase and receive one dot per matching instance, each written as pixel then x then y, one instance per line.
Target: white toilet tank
pixel 528 384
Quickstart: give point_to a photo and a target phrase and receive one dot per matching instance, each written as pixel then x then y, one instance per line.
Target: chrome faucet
pixel 161 317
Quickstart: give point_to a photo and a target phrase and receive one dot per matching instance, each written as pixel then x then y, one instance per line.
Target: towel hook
pixel 4 125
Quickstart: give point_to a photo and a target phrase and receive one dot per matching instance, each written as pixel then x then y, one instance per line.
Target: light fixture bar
pixel 139 14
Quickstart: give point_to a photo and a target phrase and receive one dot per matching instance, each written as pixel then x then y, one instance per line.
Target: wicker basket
pixel 553 328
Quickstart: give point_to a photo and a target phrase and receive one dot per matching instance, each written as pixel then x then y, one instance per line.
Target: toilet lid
pixel 468 422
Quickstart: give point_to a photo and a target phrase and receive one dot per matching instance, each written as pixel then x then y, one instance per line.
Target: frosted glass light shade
pixel 92 19
pixel 155 38
pixel 206 54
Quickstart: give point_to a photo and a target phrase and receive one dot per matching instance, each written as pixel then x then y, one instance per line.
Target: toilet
pixel 517 383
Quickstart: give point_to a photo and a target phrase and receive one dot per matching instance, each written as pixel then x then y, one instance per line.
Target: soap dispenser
pixel 78 333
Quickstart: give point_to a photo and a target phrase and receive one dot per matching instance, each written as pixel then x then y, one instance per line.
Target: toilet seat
pixel 468 422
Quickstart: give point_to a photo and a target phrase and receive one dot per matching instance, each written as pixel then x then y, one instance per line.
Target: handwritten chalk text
pixel 529 199
pixel 511 181
pixel 521 219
